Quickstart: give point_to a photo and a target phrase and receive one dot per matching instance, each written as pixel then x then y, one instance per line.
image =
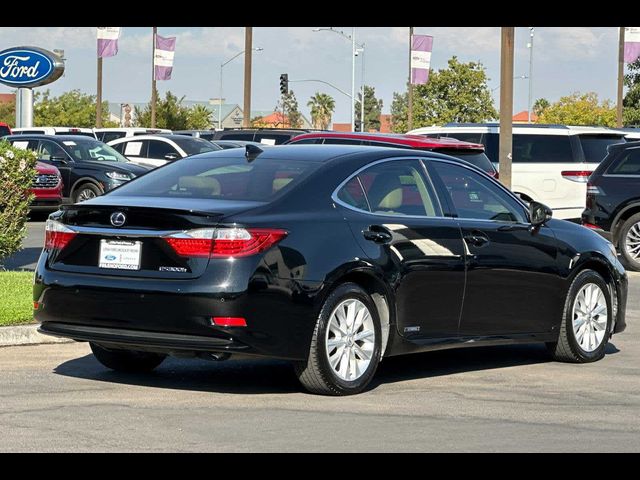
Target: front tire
pixel 629 244
pixel 86 191
pixel 346 343
pixel 128 361
pixel 586 321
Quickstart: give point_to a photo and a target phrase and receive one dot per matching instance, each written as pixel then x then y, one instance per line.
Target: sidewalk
pixel 26 335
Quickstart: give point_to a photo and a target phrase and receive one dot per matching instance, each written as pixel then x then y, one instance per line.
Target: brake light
pixel 591 226
pixel 57 235
pixel 580 176
pixel 228 321
pixel 224 242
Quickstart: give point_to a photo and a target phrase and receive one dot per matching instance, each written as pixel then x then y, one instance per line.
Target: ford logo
pixel 111 258
pixel 26 67
pixel 118 219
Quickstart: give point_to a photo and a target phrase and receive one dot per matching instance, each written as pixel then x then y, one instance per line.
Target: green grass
pixel 16 301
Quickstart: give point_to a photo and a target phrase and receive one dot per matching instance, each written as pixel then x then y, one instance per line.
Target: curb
pixel 26 335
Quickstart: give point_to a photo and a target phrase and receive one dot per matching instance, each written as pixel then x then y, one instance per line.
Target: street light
pixel 520 77
pixel 351 37
pixel 256 49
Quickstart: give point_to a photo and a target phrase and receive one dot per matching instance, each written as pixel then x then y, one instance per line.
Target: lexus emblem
pixel 118 219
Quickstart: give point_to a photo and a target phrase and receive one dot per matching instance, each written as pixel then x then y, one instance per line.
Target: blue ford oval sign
pixel 25 67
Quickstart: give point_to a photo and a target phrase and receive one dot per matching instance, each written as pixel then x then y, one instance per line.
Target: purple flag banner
pixel 108 41
pixel 631 44
pixel 163 57
pixel 420 58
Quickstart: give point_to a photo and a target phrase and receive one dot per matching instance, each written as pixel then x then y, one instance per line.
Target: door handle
pixel 477 239
pixel 377 234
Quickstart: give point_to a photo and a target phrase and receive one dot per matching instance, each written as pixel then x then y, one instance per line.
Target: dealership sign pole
pixel 107 47
pixel 25 68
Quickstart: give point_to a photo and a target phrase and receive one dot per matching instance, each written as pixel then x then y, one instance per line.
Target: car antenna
pixel 252 152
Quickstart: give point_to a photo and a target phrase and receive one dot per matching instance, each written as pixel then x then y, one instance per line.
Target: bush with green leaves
pixel 17 170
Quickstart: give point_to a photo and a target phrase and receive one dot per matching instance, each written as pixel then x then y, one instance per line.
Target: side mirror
pixel 539 213
pixel 171 156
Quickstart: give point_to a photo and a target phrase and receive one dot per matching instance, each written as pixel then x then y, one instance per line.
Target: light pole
pixel 256 49
pixel 351 37
pixel 361 50
pixel 530 45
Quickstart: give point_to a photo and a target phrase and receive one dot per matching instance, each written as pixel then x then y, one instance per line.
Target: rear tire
pixel 586 321
pixel 129 361
pixel 629 243
pixel 346 343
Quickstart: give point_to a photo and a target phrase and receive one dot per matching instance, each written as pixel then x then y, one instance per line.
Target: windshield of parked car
pixel 595 146
pixel 193 145
pixel 217 177
pixel 81 148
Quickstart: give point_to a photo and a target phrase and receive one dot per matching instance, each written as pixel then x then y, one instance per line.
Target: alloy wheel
pixel 632 241
pixel 590 315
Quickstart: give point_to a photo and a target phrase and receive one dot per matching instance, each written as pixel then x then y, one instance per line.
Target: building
pixel 276 120
pixel 523 117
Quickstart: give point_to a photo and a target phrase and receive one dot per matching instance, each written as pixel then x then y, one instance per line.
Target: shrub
pixel 17 170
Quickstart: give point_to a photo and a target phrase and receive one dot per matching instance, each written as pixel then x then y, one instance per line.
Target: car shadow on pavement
pixel 264 376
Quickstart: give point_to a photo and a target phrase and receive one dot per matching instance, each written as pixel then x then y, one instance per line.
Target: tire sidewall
pixel 630 262
pixel 345 292
pixel 583 278
pixel 90 186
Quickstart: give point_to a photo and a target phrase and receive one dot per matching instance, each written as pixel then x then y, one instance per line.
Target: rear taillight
pixel 57 235
pixel 224 242
pixel 581 176
pixel 591 226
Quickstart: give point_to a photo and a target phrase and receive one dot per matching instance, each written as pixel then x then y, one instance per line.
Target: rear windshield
pixel 595 146
pixel 217 177
pixel 479 159
pixel 4 131
pixel 627 164
pixel 194 146
pixel 84 134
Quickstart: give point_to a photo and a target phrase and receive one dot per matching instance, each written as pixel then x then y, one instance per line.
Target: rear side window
pixel 159 149
pixel 222 178
pixel 627 164
pixel 109 136
pixel 342 141
pixel 306 141
pixel 392 188
pixel 595 146
pixel 542 149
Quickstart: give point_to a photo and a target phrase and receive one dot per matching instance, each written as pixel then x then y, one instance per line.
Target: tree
pixel 288 105
pixel 540 105
pixel 70 109
pixel 199 117
pixel 631 101
pixel 170 113
pixel 458 93
pixel 8 112
pixel 322 107
pixel 580 109
pixel 372 109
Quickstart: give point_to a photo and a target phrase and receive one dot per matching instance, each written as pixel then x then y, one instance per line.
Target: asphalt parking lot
pixel 59 398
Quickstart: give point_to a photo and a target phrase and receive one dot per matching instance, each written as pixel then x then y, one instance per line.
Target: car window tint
pixel 108 136
pixel 466 137
pixel 4 131
pixel 342 141
pixel 473 196
pixel 271 139
pixel 628 164
pixel 48 149
pixel 306 141
pixel 248 137
pixel 352 194
pixel 394 188
pixel 542 149
pixel 474 157
pixel 158 149
pixel 595 146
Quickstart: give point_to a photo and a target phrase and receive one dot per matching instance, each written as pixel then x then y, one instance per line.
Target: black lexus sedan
pixel 88 167
pixel 333 257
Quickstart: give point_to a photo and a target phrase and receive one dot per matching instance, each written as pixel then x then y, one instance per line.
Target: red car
pixel 47 188
pixel 4 129
pixel 470 152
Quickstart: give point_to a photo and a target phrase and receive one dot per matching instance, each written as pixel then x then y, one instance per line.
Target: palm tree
pixel 322 106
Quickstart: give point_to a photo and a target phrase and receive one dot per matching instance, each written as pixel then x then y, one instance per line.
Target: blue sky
pixel 566 60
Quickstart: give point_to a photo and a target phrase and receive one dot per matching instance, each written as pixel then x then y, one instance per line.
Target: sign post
pixel 25 68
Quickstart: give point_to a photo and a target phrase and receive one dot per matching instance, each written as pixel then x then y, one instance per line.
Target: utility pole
pixel 99 95
pixel 410 86
pixel 620 78
pixel 248 48
pixel 530 105
pixel 353 79
pixel 153 79
pixel 506 104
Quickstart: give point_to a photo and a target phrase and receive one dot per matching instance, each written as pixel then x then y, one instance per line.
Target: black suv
pixel 270 136
pixel 613 201
pixel 88 167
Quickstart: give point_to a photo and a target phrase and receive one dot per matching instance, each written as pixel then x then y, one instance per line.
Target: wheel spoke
pixel 361 353
pixel 364 335
pixel 335 342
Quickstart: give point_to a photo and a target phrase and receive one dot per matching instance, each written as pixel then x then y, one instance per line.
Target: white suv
pixel 88 132
pixel 108 134
pixel 551 163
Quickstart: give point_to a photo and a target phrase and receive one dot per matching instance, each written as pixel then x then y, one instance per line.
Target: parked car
pixel 87 166
pixel 107 134
pixel 331 257
pixel 4 129
pixel 225 144
pixel 46 188
pixel 613 201
pixel 268 136
pixel 205 134
pixel 551 163
pixel 88 132
pixel 470 152
pixel 157 150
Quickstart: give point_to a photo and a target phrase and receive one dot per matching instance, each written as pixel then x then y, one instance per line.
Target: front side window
pixel 160 149
pixel 48 150
pixel 392 188
pixel 628 163
pixel 473 196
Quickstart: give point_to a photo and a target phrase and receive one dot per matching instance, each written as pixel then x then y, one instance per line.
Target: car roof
pixel 153 136
pixel 531 129
pixel 85 129
pixel 418 141
pixel 49 137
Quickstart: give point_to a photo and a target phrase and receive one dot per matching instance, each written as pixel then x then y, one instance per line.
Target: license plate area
pixel 120 254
